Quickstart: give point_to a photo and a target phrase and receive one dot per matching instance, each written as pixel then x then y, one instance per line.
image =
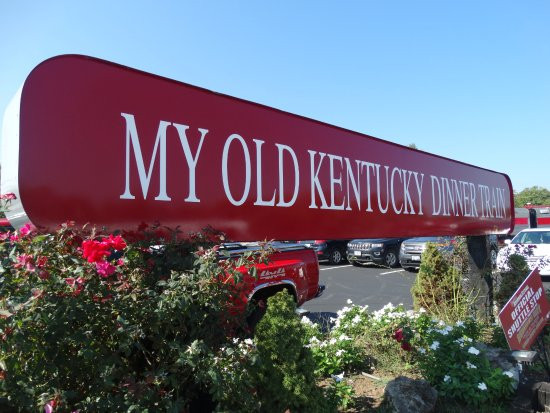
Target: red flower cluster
pixel 96 252
pixel 400 338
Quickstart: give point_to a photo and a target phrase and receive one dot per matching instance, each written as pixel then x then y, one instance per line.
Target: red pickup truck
pixel 292 267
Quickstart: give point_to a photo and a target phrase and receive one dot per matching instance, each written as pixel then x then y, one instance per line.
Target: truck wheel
pixel 335 257
pixel 390 259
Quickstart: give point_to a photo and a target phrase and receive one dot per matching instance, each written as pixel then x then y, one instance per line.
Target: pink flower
pixel 14 237
pixel 25 230
pixel 104 268
pixel 8 197
pixel 24 261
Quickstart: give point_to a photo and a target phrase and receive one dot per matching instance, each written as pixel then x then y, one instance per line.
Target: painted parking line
pixel 335 268
pixel 391 272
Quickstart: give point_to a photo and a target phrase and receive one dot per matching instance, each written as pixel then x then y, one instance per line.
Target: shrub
pixel 438 289
pixel 285 370
pixel 509 277
pixel 339 351
pixel 90 322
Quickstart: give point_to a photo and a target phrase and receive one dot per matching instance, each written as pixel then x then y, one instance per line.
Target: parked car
pixel 333 251
pixel 381 251
pixel 410 254
pixel 533 244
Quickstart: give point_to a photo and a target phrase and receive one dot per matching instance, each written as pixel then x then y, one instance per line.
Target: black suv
pixel 333 251
pixel 381 251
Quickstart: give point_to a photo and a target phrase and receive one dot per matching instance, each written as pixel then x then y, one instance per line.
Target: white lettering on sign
pixel 225 174
pixel 336 182
pixel 132 139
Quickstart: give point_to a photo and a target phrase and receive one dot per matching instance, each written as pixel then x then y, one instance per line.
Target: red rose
pixel 398 335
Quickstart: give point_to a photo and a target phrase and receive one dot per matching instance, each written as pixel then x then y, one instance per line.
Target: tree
pixel 412 145
pixel 536 195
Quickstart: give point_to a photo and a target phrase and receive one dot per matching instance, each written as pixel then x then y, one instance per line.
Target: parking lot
pixel 368 285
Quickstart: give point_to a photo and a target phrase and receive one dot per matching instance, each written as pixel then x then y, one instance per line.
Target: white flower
pixel 349 301
pixel 339 353
pixel 508 373
pixel 235 341
pixel 422 310
pixel 344 337
pixel 447 379
pixel 338 377
pixel 422 350
pixel 470 365
pixel 482 386
pixel 306 320
pixel 459 324
pixel 435 345
pixel 249 342
pixel 356 319
pixel 473 350
pixel 332 341
pixel 313 340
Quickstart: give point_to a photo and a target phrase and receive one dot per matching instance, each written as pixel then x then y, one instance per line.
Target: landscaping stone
pixel 502 359
pixel 406 395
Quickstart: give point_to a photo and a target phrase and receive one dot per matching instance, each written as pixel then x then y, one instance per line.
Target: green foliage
pixel 449 359
pixel 437 287
pixel 128 328
pixel 510 276
pixel 337 352
pixel 535 195
pixel 285 372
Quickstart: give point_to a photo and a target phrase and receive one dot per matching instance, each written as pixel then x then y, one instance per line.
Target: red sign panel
pixel 525 314
pixel 115 147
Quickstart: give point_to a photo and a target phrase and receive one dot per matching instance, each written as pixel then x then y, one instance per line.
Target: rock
pixel 541 397
pixel 502 359
pixel 406 395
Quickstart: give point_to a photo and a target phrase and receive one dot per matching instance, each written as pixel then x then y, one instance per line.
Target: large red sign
pixel 115 147
pixel 526 313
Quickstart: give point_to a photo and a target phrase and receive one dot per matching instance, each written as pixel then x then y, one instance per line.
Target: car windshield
pixel 532 237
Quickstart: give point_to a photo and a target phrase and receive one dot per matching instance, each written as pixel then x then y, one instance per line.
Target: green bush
pixel 509 278
pixel 92 323
pixel 285 371
pixel 438 289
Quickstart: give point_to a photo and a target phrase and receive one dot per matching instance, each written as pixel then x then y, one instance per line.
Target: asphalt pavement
pixel 368 285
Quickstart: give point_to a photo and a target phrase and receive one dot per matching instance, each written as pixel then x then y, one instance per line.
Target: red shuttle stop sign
pixel 112 146
pixel 525 314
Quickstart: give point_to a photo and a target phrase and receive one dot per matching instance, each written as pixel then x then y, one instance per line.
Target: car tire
pixel 335 257
pixel 391 259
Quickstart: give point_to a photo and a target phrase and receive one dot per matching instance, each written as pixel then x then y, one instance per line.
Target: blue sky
pixel 468 80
